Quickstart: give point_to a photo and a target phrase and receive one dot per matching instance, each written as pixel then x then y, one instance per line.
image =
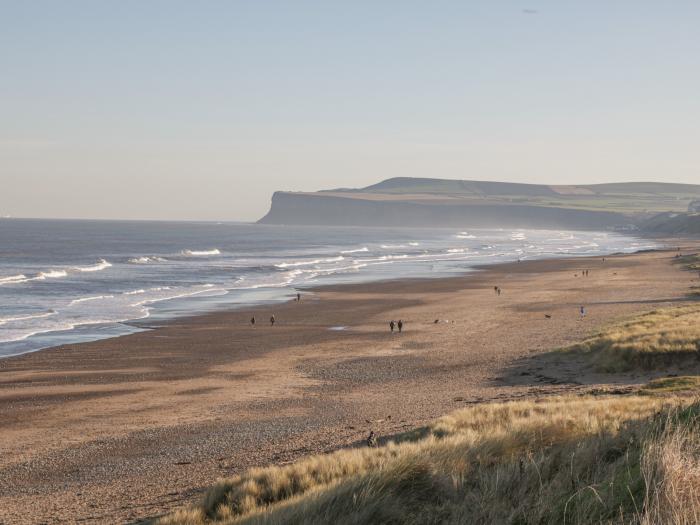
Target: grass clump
pixel 561 460
pixel 667 385
pixel 669 336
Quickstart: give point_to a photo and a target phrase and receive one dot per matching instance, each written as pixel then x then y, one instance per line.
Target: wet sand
pixel 131 427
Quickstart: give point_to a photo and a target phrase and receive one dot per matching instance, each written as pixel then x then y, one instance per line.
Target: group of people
pixel 272 317
pixel 272 320
pixel 398 325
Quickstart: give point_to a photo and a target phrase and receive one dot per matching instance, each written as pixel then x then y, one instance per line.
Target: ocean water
pixel 71 281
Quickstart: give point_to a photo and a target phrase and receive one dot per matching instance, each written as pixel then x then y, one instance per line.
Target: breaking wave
pixel 94 298
pixel 4 320
pixel 307 263
pixel 199 253
pixel 13 279
pixel 101 265
pixel 146 260
pixel 51 274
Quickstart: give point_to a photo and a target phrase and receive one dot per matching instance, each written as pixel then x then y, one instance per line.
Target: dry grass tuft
pixel 671 471
pixel 661 338
pixel 568 460
pixel 667 385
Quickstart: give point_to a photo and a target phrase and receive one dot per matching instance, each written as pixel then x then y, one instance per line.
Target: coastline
pixel 163 313
pixel 132 426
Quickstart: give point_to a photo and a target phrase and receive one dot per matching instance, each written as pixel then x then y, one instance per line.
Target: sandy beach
pixel 128 428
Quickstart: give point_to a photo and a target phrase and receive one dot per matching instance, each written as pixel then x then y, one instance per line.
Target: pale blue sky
pixel 201 109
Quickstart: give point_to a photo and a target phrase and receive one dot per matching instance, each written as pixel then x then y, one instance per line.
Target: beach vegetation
pixel 658 339
pixel 567 459
pixel 665 385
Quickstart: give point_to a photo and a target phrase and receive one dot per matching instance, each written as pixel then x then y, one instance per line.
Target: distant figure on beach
pixel 372 439
pixel 391 325
pixel 498 291
pixel 252 320
pixel 298 297
pixel 495 290
pixel 583 311
pixel 400 325
pixel 272 320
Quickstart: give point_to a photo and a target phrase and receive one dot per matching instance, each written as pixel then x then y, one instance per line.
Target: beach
pixel 128 428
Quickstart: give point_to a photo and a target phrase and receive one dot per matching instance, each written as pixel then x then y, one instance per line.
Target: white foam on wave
pixel 51 274
pixel 518 236
pixel 200 253
pixel 41 276
pixel 465 236
pixel 359 250
pixel 206 288
pixel 4 320
pixel 307 263
pixel 393 246
pixel 146 259
pixel 456 250
pixel 135 292
pixel 93 298
pixel 13 279
pixel 101 265
pixel 414 244
pixel 386 258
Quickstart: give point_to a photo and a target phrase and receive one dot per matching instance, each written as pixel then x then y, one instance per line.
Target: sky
pixel 200 110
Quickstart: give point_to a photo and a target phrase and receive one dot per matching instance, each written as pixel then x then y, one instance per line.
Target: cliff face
pixel 353 210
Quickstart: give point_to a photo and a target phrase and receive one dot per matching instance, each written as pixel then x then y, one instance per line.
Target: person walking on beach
pixel 495 290
pixel 498 291
pixel 272 320
pixel 298 297
pixel 252 321
pixel 400 325
pixel 583 311
pixel 391 326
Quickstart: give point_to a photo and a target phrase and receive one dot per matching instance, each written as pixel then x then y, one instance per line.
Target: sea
pixel 64 281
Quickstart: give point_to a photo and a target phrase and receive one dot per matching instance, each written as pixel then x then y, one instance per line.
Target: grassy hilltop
pixel 406 201
pixel 628 197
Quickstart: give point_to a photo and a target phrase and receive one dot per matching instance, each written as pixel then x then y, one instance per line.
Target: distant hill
pixel 404 201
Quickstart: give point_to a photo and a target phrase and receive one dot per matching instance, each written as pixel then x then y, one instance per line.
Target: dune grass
pixel 560 460
pixel 667 385
pixel 665 337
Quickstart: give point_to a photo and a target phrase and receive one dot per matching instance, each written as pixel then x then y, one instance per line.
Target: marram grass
pixel 561 460
pixel 664 337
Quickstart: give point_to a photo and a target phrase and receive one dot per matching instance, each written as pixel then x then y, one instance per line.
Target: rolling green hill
pixel 404 201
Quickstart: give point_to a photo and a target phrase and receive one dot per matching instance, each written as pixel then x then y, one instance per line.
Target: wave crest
pixel 101 265
pixel 146 259
pixel 196 253
pixel 13 279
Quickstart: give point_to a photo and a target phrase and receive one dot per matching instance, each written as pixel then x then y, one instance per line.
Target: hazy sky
pixel 201 109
